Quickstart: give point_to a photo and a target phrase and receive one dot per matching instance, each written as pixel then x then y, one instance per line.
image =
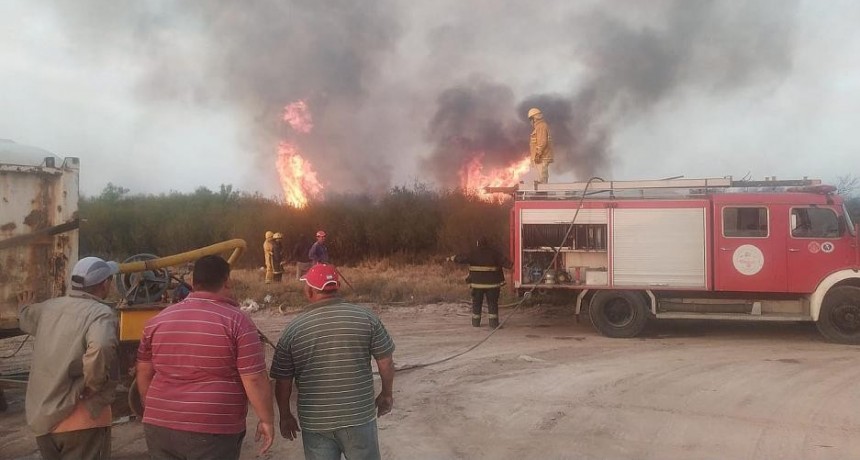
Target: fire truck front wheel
pixel 619 314
pixel 839 320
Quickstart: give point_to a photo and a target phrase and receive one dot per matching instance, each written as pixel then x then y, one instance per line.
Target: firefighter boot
pixel 476 320
pixel 494 321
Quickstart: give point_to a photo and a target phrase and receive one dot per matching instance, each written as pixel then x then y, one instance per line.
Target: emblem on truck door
pixel 748 259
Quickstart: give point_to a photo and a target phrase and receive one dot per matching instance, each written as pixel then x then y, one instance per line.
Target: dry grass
pixel 381 282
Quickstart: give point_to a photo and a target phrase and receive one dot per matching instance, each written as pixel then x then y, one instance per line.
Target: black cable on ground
pixel 516 305
pixel 526 295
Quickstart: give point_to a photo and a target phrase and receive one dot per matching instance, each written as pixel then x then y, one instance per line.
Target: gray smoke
pixel 470 121
pixel 257 57
pixel 636 58
pixel 391 83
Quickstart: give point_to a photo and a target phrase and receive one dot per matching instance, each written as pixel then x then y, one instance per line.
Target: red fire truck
pixel 692 249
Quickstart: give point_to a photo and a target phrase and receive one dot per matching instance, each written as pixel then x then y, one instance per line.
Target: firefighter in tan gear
pixel 486 279
pixel 540 145
pixel 269 255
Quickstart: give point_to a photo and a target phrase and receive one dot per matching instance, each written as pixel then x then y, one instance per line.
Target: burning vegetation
pixel 297 176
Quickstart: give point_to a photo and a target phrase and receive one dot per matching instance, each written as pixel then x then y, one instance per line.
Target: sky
pixel 163 96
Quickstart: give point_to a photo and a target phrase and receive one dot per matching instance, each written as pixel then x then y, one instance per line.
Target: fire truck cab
pixel 632 251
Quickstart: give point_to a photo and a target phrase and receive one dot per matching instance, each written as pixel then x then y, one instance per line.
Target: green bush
pixel 407 224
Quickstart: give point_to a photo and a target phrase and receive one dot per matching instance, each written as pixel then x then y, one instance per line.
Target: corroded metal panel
pixel 38 231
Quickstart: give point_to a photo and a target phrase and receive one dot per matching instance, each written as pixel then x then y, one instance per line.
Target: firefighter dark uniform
pixel 277 257
pixel 485 278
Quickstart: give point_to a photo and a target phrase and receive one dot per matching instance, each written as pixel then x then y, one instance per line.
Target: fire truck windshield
pixel 848 222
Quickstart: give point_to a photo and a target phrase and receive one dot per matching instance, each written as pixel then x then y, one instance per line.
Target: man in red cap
pixel 319 253
pixel 327 351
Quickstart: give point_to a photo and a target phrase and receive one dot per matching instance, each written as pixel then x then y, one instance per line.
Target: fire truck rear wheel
pixel 619 314
pixel 839 319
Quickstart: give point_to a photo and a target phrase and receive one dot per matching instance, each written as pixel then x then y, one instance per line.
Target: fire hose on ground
pixel 519 303
pixel 516 305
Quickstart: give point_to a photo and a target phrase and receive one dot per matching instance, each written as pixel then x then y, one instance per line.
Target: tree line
pixel 409 224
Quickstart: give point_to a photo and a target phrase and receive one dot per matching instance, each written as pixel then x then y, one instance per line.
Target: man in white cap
pixel 74 369
pixel 319 252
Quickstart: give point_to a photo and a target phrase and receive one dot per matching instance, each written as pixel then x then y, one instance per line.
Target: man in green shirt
pixel 327 351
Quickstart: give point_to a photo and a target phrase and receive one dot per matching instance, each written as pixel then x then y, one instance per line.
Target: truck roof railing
pixel 527 190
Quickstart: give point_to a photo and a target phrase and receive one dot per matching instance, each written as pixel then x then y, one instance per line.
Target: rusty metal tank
pixel 38 226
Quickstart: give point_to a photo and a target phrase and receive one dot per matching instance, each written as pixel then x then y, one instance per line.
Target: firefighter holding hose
pixel 486 279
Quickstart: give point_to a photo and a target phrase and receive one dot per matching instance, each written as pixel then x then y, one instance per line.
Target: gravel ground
pixel 547 387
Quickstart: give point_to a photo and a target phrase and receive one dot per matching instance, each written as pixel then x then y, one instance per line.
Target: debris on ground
pixel 249 305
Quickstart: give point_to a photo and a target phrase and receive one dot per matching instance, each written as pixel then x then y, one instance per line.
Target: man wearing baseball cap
pixel 318 252
pixel 74 370
pixel 327 351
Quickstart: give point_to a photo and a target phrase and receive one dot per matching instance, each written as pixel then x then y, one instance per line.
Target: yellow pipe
pixel 237 245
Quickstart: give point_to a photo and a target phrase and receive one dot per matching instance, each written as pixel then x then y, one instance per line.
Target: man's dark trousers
pixel 492 295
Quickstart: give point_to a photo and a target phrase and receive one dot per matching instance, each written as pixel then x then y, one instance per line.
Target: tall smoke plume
pixel 424 87
pixel 632 64
pixel 257 57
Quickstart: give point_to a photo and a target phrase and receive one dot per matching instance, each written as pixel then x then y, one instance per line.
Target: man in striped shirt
pixel 327 352
pixel 199 363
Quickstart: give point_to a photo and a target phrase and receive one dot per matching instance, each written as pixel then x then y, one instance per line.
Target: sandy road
pixel 546 387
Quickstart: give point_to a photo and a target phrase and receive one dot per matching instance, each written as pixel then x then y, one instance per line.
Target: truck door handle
pixel 725 249
pixel 793 250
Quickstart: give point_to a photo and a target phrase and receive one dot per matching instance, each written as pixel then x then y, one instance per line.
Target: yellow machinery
pixel 144 281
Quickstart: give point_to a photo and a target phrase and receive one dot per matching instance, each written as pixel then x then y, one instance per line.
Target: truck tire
pixel 618 314
pixel 839 320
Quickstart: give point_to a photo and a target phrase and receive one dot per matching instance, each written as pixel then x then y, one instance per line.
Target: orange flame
pixel 473 179
pixel 298 178
pixel 299 117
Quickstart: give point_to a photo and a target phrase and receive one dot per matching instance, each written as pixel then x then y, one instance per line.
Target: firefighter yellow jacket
pixel 540 143
pixel 269 253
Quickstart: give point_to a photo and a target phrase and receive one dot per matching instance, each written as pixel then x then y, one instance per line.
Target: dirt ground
pixel 547 387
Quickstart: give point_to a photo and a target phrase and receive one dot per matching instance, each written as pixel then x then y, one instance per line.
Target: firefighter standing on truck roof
pixel 540 145
pixel 486 278
pixel 269 255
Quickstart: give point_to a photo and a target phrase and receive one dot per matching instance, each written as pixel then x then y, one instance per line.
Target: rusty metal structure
pixel 38 226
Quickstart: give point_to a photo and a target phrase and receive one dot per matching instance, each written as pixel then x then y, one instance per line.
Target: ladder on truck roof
pixel 634 189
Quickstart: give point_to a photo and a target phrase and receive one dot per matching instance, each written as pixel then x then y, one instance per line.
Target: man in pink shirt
pixel 199 363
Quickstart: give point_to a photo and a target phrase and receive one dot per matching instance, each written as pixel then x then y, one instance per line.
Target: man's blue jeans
pixel 355 443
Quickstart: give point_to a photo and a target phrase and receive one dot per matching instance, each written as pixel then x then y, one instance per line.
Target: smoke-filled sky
pixel 168 95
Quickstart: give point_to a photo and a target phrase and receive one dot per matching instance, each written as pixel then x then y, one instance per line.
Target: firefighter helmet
pixel 278 235
pixel 320 234
pixel 534 111
pixel 269 235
